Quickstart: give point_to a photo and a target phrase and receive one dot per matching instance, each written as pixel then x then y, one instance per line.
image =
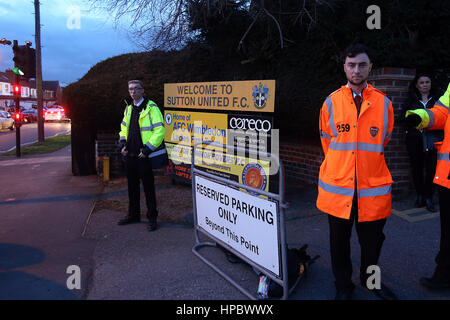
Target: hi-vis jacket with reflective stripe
pixel 150 122
pixel 355 146
pixel 440 119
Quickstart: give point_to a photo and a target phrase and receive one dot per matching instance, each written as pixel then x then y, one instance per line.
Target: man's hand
pixel 413 120
pixel 145 151
pixel 124 151
pixel 418 118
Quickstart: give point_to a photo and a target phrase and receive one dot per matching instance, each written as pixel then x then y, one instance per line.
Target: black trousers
pixel 443 257
pixel 140 169
pixel 423 166
pixel 370 237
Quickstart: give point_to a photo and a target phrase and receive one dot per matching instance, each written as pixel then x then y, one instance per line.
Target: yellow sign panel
pixel 189 128
pixel 178 153
pixel 249 96
pixel 251 172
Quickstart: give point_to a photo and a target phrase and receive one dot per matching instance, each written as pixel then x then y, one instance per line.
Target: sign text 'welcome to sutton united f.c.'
pixel 248 96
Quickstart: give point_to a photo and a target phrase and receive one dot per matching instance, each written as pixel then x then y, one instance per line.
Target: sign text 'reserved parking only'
pixel 245 222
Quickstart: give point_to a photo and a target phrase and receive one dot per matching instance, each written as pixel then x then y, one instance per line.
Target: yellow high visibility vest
pixel 151 124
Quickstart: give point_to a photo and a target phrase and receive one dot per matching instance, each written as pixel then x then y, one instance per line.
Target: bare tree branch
pixel 167 24
pixel 248 30
pixel 278 26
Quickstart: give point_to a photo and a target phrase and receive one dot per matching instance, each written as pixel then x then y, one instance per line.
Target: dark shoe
pixel 128 220
pixel 430 206
pixel 152 226
pixel 344 293
pixel 434 283
pixel 384 293
pixel 420 202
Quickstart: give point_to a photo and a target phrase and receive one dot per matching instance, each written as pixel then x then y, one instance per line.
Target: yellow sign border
pixel 248 96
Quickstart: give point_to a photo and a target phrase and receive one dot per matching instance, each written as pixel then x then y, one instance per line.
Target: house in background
pixel 52 92
pixel 5 90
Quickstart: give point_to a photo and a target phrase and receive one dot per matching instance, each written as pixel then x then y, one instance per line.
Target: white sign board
pixel 245 222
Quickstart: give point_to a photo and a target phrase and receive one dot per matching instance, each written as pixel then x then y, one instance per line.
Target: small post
pixel 105 168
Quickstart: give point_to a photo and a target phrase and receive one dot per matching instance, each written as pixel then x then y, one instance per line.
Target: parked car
pixel 30 115
pixel 6 121
pixel 55 113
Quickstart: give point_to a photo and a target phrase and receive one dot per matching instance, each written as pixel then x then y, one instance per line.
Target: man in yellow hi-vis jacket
pixel 141 132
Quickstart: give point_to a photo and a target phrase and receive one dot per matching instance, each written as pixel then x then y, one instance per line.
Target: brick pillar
pixel 106 144
pixel 394 83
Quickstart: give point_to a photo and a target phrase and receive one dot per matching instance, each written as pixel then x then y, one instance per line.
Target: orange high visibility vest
pixel 352 146
pixel 439 119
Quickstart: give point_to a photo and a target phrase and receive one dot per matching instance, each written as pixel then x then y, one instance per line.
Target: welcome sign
pixel 248 96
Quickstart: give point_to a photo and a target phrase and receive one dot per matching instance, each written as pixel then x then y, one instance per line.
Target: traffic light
pixel 5 42
pixel 31 63
pixel 25 60
pixel 18 119
pixel 16 90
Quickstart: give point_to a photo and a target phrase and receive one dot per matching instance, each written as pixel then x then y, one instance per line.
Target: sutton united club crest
pixel 373 131
pixel 260 96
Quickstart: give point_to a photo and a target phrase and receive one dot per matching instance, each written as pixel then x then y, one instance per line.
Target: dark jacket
pixel 134 142
pixel 429 137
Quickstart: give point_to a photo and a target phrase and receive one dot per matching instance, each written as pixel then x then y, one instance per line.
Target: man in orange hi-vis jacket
pixel 438 118
pixel 356 122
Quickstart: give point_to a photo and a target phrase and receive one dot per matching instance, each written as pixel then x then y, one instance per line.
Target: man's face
pixel 136 91
pixel 357 69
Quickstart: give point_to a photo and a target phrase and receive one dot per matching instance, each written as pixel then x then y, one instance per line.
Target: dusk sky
pixel 69 49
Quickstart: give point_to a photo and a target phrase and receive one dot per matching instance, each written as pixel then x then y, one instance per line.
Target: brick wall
pixel 394 83
pixel 302 161
pixel 106 144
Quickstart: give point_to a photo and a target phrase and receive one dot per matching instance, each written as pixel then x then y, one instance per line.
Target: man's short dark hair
pixel 355 49
pixel 139 82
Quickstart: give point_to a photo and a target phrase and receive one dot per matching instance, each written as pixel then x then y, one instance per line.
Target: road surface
pixel 29 134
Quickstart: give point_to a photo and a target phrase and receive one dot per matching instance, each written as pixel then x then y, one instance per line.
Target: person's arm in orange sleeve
pixel 390 125
pixel 324 127
pixel 439 115
pixel 434 118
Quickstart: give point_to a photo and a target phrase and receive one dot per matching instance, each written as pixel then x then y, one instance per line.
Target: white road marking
pixel 28 143
pixel 34 161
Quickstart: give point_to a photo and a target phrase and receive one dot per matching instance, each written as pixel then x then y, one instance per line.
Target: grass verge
pixel 49 145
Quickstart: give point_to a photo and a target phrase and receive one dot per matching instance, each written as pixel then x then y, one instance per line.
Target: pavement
pixel 48 223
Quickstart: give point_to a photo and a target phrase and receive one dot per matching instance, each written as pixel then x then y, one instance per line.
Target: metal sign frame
pixel 281 229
